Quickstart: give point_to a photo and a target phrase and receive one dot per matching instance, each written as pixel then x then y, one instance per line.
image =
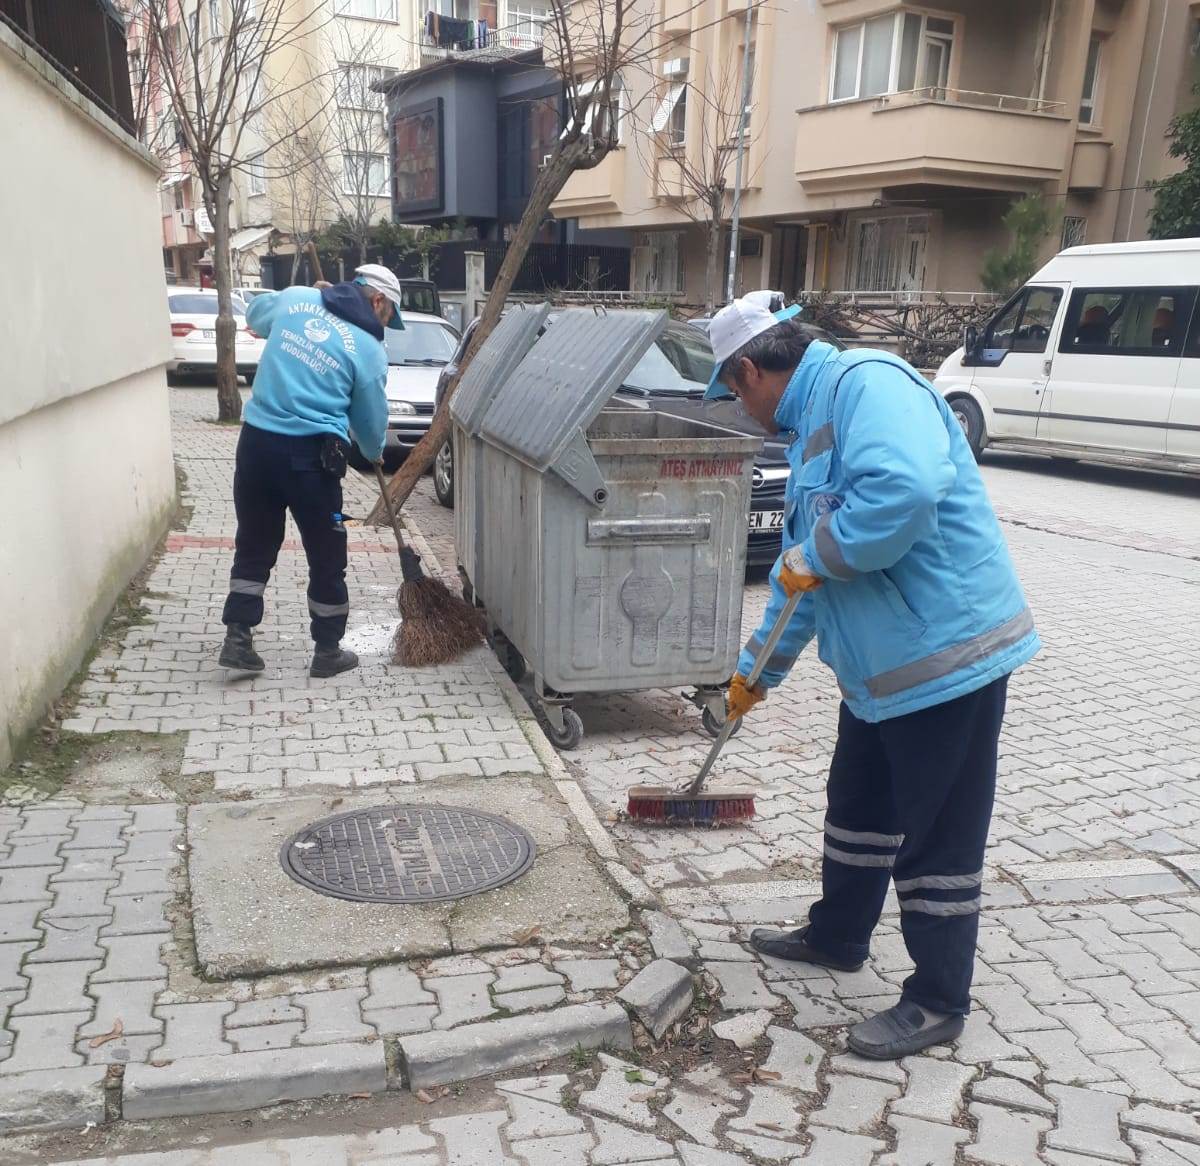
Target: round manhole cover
pixel 407 854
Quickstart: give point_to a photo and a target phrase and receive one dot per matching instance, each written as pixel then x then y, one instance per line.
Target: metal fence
pixel 548 267
pixel 85 41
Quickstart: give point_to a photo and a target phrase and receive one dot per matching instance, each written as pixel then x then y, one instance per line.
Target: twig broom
pixel 436 626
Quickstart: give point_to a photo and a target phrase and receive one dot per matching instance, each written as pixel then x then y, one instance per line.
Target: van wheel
pixel 968 415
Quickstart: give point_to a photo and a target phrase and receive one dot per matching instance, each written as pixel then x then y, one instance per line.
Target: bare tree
pixel 702 168
pixel 216 64
pixel 589 43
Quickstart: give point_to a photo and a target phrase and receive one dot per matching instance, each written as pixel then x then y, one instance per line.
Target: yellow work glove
pixel 795 575
pixel 742 699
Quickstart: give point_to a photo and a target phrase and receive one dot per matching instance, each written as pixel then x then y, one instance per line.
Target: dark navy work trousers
pixel 910 799
pixel 276 473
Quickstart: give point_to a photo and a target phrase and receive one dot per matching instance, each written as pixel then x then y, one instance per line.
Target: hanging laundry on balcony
pixel 481 33
pixel 452 33
pixel 431 27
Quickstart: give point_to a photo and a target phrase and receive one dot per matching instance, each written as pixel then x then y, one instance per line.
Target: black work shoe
pixel 793 945
pixel 902 1030
pixel 331 661
pixel 237 652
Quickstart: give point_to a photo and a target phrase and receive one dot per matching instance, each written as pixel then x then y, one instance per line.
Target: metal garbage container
pixel 607 545
pixel 491 367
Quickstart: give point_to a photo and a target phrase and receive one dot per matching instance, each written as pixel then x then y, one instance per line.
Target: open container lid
pixel 540 414
pixel 494 363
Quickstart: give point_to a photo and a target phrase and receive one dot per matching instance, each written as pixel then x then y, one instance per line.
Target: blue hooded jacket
pixel 324 366
pixel 921 602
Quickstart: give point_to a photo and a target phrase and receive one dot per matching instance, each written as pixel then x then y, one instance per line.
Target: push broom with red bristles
pixel 689 805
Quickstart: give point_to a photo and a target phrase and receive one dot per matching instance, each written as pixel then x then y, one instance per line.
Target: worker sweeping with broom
pixel 906 582
pixel 320 381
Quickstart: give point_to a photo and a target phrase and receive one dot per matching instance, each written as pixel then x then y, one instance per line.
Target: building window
pixel 677 127
pixel 1090 101
pixel 748 81
pixel 368 9
pixel 609 120
pixel 354 86
pixel 897 53
pixel 1074 231
pixel 214 18
pixel 670 118
pixel 527 20
pixel 256 173
pixel 888 254
pixel 365 174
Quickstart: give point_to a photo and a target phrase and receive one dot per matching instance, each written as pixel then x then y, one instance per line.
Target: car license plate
pixel 209 334
pixel 766 520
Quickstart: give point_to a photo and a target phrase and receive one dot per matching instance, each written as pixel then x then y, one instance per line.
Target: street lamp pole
pixel 735 218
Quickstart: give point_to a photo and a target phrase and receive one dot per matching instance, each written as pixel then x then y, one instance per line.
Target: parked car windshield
pixel 420 343
pixel 198 305
pixel 680 361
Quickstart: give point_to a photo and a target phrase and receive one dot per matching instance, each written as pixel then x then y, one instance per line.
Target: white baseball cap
pixel 737 324
pixel 382 279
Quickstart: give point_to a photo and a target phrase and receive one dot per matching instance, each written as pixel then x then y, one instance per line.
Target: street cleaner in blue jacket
pixel 911 594
pixel 320 382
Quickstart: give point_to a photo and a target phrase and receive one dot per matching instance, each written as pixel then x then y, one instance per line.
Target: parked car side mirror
pixel 970 340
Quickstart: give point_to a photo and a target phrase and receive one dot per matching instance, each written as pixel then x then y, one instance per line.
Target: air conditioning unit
pixel 676 67
pixel 187 217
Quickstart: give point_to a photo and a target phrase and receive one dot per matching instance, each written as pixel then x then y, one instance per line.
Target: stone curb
pixel 659 995
pixel 493 1046
pixel 238 1081
pixel 52 1099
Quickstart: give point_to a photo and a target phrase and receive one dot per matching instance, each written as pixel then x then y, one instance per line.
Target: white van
pixel 1097 357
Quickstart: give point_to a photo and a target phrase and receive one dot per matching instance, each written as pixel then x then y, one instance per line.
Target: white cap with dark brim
pixel 737 324
pixel 382 279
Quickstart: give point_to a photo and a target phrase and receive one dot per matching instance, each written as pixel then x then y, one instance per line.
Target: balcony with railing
pixel 931 136
pixel 85 41
pixel 473 38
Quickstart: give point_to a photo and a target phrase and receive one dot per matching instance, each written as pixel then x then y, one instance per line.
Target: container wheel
pixel 713 725
pixel 572 731
pixel 514 665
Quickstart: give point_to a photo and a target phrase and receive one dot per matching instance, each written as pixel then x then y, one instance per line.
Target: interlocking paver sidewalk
pixel 1085 1040
pixel 1087 961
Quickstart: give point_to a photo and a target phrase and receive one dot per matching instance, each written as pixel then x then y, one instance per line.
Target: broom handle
pixel 310 249
pixel 760 662
pixel 393 517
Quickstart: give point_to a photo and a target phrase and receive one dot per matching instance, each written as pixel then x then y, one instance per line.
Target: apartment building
pixel 886 139
pixel 313 146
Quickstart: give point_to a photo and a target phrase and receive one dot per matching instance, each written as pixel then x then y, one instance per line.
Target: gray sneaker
pixel 331 661
pixel 237 652
pixel 902 1030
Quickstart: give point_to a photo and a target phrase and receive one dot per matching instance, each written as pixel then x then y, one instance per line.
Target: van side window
pixel 1025 324
pixel 1127 321
pixel 1041 307
pixel 1192 345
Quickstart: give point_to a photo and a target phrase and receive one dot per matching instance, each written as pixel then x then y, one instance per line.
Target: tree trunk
pixel 546 189
pixel 712 255
pixel 229 400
